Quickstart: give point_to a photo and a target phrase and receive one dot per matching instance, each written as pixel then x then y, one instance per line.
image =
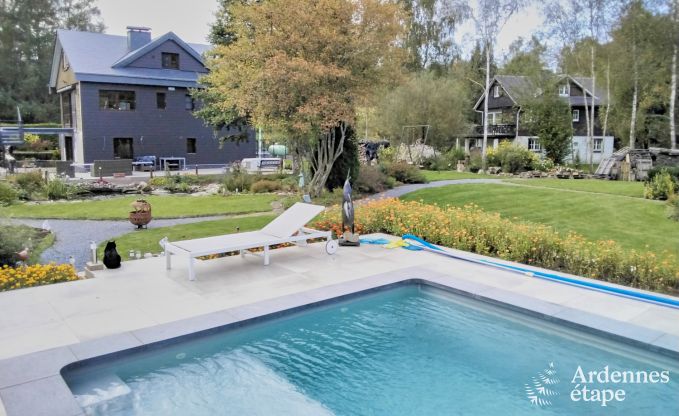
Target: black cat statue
pixel 111 256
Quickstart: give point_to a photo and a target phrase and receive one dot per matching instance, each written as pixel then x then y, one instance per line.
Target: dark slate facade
pixel 157 121
pixel 154 131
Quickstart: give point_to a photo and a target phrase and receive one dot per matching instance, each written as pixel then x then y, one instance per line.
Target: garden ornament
pixel 349 237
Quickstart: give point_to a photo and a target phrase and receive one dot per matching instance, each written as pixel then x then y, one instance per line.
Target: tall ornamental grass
pixel 469 228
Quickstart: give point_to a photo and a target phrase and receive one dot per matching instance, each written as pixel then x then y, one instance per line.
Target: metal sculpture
pixel 349 236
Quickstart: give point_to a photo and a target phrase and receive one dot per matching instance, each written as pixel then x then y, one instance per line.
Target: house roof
pixel 98 57
pixel 519 88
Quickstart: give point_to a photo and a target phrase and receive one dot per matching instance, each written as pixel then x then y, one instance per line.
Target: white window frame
pixel 564 90
pixel 534 144
pixel 598 144
pixel 496 91
pixel 576 116
pixel 495 116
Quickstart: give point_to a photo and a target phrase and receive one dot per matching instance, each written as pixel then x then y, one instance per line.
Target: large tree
pixel 442 103
pixel 27 29
pixel 549 116
pixel 305 72
pixel 525 58
pixel 431 29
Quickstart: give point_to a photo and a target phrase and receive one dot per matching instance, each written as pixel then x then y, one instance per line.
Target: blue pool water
pixel 412 350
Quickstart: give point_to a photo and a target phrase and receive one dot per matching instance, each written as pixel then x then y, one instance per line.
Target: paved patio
pixel 144 294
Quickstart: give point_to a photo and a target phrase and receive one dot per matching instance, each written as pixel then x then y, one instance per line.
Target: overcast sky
pixel 191 19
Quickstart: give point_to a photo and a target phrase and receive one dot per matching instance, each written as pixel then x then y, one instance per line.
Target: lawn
pixel 633 223
pixel 634 189
pixel 444 175
pixel 146 241
pixel 170 206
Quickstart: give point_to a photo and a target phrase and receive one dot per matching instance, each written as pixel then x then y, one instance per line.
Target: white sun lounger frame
pixel 276 232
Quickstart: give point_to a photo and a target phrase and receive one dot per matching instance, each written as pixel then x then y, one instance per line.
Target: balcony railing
pixel 497 130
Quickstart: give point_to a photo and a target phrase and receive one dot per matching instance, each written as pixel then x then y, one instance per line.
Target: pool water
pixel 411 350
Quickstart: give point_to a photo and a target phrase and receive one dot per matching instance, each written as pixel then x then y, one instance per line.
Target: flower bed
pixel 35 275
pixel 471 229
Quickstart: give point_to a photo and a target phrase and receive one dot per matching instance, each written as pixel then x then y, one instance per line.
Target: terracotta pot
pixel 140 218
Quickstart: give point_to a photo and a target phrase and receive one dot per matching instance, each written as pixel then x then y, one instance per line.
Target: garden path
pixel 73 236
pixel 406 189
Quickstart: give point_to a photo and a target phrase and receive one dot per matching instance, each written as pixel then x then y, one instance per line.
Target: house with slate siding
pixel 129 96
pixel 507 93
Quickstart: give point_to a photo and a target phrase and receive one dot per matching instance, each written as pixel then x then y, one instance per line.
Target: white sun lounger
pixel 286 228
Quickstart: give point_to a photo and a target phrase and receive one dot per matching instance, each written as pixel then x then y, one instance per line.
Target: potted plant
pixel 140 214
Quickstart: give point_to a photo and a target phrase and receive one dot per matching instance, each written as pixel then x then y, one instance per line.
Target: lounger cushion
pixel 292 220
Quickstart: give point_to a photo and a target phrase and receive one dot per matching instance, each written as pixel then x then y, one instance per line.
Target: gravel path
pixel 73 236
pixel 406 189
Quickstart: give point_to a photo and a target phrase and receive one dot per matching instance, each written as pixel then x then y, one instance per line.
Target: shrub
pixel 238 179
pixel 513 158
pixel 672 170
pixel 661 186
pixel 7 194
pixel 57 189
pixel 265 185
pixel 674 207
pixel 36 275
pixel 371 180
pixel 14 238
pixel 29 183
pixel 386 154
pixel 403 172
pixel 471 229
pixel 542 164
pixel 289 184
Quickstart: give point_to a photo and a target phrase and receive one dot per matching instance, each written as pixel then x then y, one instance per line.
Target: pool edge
pixel 25 376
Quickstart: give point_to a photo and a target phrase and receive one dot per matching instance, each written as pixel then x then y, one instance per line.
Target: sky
pixel 191 19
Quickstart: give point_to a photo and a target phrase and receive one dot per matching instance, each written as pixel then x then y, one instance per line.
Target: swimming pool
pixel 409 350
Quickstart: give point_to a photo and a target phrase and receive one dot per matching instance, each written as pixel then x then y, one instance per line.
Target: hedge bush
pixel 29 183
pixel 7 194
pixel 660 186
pixel 471 229
pixel 512 158
pixel 265 185
pixel 57 189
pixel 371 180
pixel 403 172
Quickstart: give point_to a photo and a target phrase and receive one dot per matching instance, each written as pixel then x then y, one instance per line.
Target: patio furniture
pixel 172 161
pixel 286 228
pixel 144 163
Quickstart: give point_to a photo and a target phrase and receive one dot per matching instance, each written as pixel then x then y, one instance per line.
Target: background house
pixel 129 96
pixel 504 118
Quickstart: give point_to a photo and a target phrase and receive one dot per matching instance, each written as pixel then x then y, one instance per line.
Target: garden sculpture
pixel 349 237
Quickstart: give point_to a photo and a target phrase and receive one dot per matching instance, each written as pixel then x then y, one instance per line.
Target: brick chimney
pixel 137 37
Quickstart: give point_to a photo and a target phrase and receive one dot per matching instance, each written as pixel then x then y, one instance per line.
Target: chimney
pixel 137 37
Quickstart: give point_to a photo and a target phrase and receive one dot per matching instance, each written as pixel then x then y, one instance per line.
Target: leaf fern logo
pixel 538 390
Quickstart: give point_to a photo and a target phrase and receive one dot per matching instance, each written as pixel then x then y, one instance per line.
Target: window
pixel 189 102
pixel 160 100
pixel 493 118
pixel 116 100
pixel 190 145
pixel 576 115
pixel 170 60
pixel 67 115
pixel 564 90
pixel 534 145
pixel 122 148
pixel 598 145
pixel 496 91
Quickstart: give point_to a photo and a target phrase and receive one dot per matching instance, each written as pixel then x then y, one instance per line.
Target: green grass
pixel 633 189
pixel 146 241
pixel 170 206
pixel 443 175
pixel 633 223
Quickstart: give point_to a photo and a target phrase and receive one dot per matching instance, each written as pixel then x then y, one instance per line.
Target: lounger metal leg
pixel 168 260
pixel 266 255
pixel 192 274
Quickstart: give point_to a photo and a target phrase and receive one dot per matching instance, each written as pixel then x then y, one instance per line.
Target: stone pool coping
pixel 32 384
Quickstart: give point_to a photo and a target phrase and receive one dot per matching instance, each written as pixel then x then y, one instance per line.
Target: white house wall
pixel 582 149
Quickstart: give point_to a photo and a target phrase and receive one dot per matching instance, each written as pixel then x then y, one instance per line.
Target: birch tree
pixel 489 17
pixel 674 33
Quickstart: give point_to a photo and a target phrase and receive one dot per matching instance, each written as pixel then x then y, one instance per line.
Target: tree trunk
pixel 484 162
pixel 328 149
pixel 592 119
pixel 635 97
pixel 590 144
pixel 673 98
pixel 608 97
